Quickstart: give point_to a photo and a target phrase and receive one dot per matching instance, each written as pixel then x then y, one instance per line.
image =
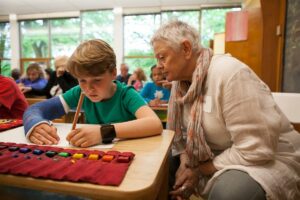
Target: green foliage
pixel 190 17
pixel 35 38
pixel 98 25
pixel 5 68
pixel 212 21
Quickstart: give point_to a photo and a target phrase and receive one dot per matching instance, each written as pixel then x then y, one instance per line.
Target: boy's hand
pixel 85 136
pixel 44 134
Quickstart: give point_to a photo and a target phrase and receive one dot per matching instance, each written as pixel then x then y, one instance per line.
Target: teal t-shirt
pixel 120 107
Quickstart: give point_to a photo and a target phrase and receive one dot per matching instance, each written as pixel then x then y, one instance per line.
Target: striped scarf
pixel 182 92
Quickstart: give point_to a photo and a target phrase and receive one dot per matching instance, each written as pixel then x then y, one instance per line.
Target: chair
pixel 289 103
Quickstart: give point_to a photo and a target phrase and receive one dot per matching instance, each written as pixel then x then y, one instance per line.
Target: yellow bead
pixel 78 155
pixel 93 157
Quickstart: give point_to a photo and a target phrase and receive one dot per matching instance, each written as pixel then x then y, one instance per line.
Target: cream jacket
pixel 244 125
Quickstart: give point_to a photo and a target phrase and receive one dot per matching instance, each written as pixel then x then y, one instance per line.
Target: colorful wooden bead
pixel 24 150
pixel 123 159
pixel 13 148
pixel 93 157
pixel 64 154
pixel 78 155
pixel 37 152
pixel 107 158
pixel 50 154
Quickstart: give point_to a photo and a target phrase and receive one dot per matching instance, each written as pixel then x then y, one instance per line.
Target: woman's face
pixel 171 62
pixel 32 74
pixel 157 75
pixel 97 88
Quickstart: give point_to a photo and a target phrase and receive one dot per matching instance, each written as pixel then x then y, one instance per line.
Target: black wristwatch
pixel 108 133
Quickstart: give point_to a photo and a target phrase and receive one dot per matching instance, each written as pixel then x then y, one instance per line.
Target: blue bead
pixel 37 152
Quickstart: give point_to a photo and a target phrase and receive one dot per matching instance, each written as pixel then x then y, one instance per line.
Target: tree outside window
pixel 65 36
pixel 5 50
pixel 98 25
pixel 138 30
pixel 213 21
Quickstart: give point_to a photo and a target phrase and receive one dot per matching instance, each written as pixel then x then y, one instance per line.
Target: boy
pixel 119 109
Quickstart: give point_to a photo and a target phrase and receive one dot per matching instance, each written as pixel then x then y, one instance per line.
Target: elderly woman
pixel 231 139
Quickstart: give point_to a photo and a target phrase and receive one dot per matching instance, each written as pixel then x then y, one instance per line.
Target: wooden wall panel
pixel 263 49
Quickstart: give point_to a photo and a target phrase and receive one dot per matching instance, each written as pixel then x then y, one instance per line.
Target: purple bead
pixel 24 150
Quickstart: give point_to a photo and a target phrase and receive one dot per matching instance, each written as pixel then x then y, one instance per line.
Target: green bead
pixel 64 154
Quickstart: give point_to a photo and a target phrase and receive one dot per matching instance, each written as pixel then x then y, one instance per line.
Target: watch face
pixel 108 133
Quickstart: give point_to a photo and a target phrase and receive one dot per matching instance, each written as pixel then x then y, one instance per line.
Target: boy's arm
pixel 146 124
pixel 43 112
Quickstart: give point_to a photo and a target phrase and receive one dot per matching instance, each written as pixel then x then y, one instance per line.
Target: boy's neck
pixel 113 90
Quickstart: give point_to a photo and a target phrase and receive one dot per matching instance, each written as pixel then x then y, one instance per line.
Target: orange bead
pixel 107 158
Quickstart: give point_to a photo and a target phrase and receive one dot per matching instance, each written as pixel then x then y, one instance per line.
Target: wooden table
pixel 146 177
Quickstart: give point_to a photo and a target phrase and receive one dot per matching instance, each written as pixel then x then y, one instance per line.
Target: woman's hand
pixel 186 182
pixel 166 84
pixel 44 134
pixel 85 136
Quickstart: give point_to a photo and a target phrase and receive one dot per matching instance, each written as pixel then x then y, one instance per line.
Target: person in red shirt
pixel 12 100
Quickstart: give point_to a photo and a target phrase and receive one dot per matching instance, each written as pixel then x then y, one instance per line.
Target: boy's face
pixel 98 88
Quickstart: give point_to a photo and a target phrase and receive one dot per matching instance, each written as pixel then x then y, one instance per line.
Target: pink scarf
pixel 196 146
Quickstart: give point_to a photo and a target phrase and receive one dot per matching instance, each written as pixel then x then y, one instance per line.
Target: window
pixel 5 50
pixel 190 17
pixel 65 36
pixel 42 40
pixel 138 30
pixel 98 24
pixel 35 39
pixel 213 21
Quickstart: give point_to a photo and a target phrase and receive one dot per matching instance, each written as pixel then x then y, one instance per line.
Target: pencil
pixel 78 110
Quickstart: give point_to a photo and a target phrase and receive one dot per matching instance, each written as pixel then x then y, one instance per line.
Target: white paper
pixel 17 135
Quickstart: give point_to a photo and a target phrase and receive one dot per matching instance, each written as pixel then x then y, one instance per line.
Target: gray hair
pixel 174 32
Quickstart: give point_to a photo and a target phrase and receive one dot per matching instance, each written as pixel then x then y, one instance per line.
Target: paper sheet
pixel 17 135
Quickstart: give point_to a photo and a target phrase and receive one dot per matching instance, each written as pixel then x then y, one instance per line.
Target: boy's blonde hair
pixel 92 58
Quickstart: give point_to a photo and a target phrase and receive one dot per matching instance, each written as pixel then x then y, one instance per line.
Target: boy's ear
pixel 114 73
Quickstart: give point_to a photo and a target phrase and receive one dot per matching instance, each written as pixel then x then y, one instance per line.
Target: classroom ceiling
pixel 21 7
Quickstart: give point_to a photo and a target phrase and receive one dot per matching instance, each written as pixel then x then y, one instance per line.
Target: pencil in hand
pixel 77 110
